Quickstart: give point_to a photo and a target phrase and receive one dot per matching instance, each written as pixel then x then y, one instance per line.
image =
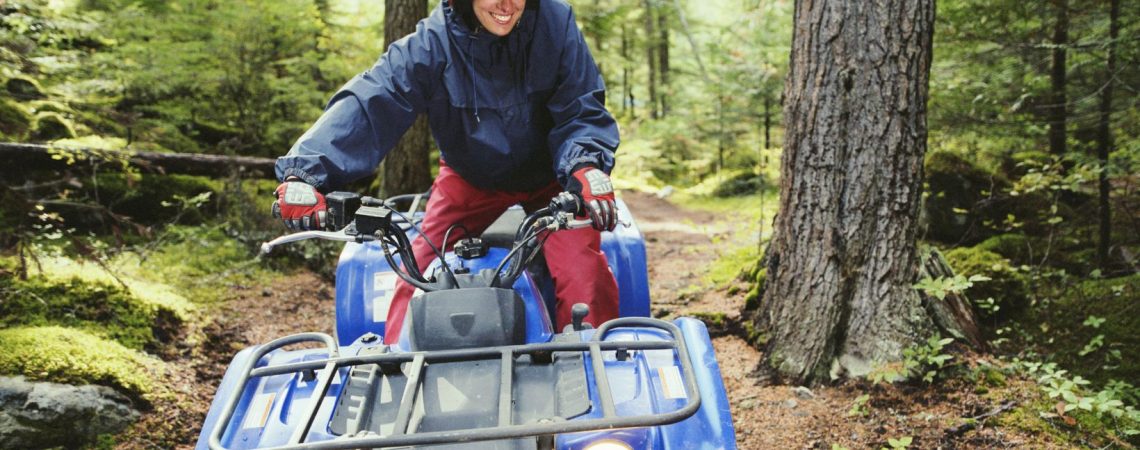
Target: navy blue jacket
pixel 510 114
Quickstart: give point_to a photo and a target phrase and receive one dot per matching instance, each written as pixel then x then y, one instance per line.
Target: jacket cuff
pixel 304 176
pixel 582 165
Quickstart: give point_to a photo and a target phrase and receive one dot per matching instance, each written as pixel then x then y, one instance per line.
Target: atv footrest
pixel 365 421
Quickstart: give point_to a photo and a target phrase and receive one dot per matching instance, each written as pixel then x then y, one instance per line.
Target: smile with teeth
pixel 503 19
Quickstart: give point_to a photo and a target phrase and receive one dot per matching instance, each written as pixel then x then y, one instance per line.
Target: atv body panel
pixel 647 383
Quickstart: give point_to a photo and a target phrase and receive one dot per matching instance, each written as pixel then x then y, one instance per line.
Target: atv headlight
pixel 608 444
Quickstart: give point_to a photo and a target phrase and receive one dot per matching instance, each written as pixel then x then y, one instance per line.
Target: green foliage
pixel 1091 325
pixel 155 199
pixel 993 278
pixel 72 356
pixel 901 443
pixel 859 406
pixel 941 286
pixel 1104 410
pixel 922 361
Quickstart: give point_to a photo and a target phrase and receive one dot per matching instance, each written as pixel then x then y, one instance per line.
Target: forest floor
pixel 766 416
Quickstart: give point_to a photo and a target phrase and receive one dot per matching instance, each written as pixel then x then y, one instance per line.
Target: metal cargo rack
pixel 505 430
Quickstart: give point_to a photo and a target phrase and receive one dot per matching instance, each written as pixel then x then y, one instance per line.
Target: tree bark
pixel 406 169
pixel 1104 138
pixel 651 56
pixel 843 261
pixel 1057 114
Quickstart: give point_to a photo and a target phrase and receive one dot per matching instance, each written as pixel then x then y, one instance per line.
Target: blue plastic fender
pixel 647 382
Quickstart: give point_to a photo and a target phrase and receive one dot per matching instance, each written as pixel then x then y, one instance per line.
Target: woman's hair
pixel 466 11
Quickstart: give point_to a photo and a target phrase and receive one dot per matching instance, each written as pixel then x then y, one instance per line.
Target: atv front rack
pixel 325 369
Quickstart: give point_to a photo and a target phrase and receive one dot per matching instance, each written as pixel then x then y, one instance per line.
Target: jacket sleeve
pixel 365 118
pixel 584 131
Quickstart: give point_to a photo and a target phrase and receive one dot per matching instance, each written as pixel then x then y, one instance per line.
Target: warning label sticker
pixel 258 412
pixel 383 289
pixel 671 384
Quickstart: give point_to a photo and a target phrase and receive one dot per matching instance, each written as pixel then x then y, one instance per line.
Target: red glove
pixel 597 193
pixel 300 206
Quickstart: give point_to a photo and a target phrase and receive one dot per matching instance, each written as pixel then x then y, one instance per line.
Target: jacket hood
pixel 482 64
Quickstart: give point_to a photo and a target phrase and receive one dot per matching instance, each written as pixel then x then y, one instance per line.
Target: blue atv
pixel 478 364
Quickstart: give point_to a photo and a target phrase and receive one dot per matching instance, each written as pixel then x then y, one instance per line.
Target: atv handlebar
pixel 365 219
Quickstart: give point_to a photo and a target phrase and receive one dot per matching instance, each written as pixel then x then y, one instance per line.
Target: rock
pixel 42 415
pixel 803 393
pixel 790 404
pixel 52 126
pixel 23 87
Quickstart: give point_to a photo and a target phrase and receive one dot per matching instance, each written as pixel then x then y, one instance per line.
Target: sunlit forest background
pixel 109 269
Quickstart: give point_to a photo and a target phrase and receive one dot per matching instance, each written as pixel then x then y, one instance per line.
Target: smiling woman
pixel 499 17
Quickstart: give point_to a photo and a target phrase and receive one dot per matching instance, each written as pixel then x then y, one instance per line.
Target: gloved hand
pixel 300 206
pixel 597 193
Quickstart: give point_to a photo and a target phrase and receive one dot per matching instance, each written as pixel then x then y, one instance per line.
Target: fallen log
pixel 953 314
pixel 25 157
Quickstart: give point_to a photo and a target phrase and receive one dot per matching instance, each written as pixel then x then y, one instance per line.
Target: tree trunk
pixel 842 262
pixel 651 56
pixel 406 169
pixel 596 36
pixel 663 54
pixel 627 99
pixel 1104 138
pixel 1057 114
pixel 767 120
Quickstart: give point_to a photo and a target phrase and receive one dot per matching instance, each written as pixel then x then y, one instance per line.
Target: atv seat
pixel 501 233
pixel 466 318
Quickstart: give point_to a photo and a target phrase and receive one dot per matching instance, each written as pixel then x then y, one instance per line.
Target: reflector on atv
pixel 479 364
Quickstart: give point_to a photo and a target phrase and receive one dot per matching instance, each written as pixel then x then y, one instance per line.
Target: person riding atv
pixel 516 104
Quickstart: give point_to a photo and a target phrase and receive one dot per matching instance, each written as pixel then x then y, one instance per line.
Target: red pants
pixel 574 256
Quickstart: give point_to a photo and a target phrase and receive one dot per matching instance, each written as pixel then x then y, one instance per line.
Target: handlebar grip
pixel 565 202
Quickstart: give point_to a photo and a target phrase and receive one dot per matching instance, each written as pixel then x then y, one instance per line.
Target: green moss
pixel 76 357
pixel 1060 327
pixel 733 265
pixel 955 185
pixel 139 318
pixel 712 319
pixel 24 87
pixel 1015 246
pixel 1006 285
pixel 52 126
pixel 46 106
pixel 744 183
pixel 14 120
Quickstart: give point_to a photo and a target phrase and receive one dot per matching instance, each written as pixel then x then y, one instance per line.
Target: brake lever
pixel 341 236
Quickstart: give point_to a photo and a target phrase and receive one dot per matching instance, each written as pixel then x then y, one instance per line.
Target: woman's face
pixel 499 16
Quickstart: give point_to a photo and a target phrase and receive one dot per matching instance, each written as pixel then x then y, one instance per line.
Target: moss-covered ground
pixel 73 320
pixel 69 355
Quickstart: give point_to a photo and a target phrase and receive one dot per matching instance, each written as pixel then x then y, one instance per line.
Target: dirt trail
pixel 679 243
